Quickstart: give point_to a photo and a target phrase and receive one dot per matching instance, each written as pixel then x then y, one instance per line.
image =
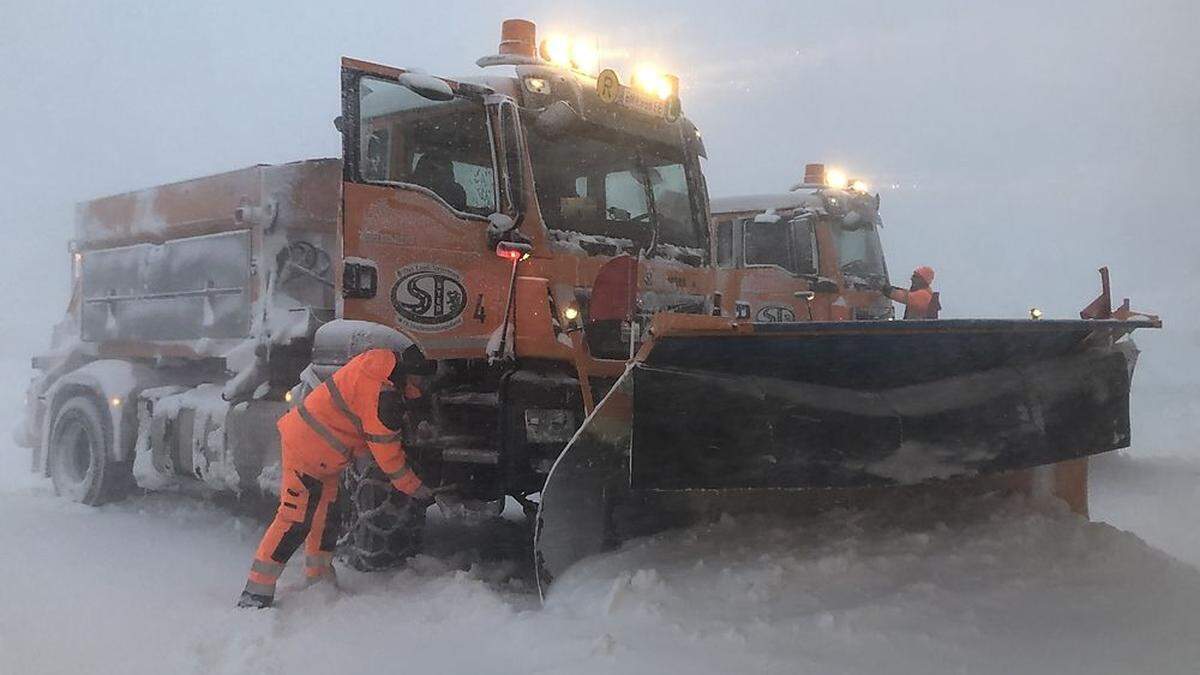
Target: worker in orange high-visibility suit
pixel 920 302
pixel 355 411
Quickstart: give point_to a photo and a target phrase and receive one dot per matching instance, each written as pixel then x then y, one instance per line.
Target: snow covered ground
pixel 147 586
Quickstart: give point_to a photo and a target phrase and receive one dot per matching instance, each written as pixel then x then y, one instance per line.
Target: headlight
pixel 654 82
pixel 575 53
pixel 836 178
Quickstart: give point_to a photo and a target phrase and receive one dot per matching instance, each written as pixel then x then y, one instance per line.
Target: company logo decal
pixel 429 297
pixel 775 314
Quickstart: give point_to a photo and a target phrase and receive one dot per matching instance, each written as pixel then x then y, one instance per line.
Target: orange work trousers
pixel 302 517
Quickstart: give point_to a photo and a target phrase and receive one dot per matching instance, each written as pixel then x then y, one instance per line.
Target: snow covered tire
pixel 381 528
pixel 80 455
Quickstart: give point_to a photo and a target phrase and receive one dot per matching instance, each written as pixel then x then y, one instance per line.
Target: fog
pixel 1017 146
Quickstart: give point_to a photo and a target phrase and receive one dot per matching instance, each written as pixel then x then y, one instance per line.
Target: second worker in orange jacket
pixel 347 416
pixel 920 301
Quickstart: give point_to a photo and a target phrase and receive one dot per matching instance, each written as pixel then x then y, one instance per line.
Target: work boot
pixel 254 600
pixel 318 568
pixel 326 576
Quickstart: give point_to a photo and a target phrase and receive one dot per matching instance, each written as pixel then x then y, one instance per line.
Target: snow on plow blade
pixel 834 405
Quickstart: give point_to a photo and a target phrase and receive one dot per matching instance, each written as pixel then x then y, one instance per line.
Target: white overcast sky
pixel 1031 141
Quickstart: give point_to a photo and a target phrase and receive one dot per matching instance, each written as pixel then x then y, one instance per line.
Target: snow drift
pixel 993 586
pixel 997 586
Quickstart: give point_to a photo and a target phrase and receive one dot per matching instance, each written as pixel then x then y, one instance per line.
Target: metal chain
pixel 378 528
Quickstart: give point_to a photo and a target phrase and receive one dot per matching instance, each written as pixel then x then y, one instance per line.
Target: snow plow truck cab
pixel 545 236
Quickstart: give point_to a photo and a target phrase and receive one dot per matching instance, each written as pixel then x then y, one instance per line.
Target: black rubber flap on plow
pixel 859 405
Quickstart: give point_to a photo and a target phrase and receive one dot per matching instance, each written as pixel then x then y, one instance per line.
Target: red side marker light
pixel 513 250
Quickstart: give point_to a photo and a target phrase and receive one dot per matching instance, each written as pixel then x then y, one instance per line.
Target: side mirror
pixel 691 135
pixel 557 120
pixel 825 285
pixel 821 284
pixel 503 230
pixel 426 86
pixel 515 251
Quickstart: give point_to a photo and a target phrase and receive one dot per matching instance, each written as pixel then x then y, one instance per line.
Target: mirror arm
pixel 820 284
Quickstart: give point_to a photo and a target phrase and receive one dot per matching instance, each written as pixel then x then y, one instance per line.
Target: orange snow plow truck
pixel 602 333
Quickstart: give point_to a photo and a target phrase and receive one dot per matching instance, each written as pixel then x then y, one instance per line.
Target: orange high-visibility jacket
pixel 918 304
pixel 340 420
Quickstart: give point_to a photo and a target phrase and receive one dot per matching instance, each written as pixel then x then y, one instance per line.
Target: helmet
pixel 926 274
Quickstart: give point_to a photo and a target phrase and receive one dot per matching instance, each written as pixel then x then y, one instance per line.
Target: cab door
pixel 774 265
pixel 420 180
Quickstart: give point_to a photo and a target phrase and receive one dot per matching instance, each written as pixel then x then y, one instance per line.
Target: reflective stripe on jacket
pixel 340 420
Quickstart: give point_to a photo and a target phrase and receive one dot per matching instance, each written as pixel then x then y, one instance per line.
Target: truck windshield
pixel 604 186
pixel 442 146
pixel 860 254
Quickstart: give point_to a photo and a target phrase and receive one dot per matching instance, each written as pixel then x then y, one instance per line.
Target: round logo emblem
pixel 775 314
pixel 607 85
pixel 429 297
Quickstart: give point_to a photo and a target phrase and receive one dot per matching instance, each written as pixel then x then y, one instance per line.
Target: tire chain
pixel 379 527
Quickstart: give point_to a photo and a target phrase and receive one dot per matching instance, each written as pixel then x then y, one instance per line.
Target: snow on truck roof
pixel 763 202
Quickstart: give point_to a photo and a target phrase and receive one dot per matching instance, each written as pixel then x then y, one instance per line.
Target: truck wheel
pixel 81 464
pixel 380 526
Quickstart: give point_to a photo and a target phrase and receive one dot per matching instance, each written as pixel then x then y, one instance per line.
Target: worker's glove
pixel 425 430
pixel 887 289
pixel 422 498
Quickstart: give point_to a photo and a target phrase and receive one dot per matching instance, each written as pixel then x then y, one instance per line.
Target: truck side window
pixel 375 156
pixel 787 244
pixel 442 146
pixel 805 244
pixel 768 244
pixel 479 185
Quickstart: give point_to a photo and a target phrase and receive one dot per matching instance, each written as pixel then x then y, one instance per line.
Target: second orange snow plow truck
pixel 545 236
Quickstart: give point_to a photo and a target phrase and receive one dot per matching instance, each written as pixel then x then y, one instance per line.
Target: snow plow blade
pixel 712 405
